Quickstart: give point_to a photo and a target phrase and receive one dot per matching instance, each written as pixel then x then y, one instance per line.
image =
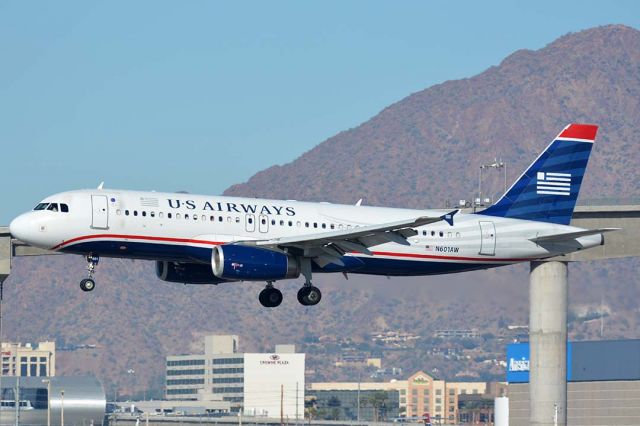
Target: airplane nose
pixel 20 228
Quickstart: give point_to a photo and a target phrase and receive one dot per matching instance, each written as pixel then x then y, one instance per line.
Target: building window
pixel 192 372
pixel 182 391
pixel 438 391
pixel 174 382
pixel 227 380
pixel 230 370
pixel 218 361
pixel 228 390
pixel 174 363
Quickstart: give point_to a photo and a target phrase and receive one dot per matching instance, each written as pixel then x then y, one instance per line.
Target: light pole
pixel 62 407
pixel 131 372
pixel 48 382
pixel 497 164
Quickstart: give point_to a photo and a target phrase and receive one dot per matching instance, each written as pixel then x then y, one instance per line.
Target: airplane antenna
pixel 101 185
pixel 359 203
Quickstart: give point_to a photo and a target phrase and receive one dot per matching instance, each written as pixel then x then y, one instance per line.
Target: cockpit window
pixel 53 207
pixel 41 206
pixel 64 208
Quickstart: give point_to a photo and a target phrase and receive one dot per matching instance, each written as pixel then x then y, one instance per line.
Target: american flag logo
pixel 553 183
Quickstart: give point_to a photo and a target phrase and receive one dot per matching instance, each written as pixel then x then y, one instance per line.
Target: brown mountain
pixel 418 152
pixel 428 147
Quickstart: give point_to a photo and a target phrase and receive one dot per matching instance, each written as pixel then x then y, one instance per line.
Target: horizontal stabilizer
pixel 568 236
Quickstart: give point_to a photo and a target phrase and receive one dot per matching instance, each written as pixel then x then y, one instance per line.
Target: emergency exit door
pixel 487 238
pixel 100 212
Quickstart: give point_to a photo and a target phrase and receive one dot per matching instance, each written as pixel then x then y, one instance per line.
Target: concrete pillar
pixel 548 290
pixel 5 254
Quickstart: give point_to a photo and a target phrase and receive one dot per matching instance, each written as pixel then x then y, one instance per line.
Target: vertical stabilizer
pixel 547 191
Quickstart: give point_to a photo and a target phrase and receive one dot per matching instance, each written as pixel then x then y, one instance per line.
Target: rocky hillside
pixel 418 152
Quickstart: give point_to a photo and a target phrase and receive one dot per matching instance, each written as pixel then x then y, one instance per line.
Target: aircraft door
pixel 99 212
pixel 264 223
pixel 250 223
pixel 487 238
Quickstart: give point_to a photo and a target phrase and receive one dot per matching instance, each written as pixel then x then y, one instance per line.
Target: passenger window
pixel 53 207
pixel 212 218
pixel 306 224
pixel 204 218
pixel 144 214
pixel 135 212
pixel 298 224
pixel 433 233
pixel 315 224
pixel 250 220
pixel 177 215
pixel 273 221
pixel 290 223
pixel 186 216
pixel 220 219
pixel 160 215
pixel 263 221
pixel 195 217
pixel 152 214
pixel 340 226
pixel 126 212
pixel 237 219
pixel 333 226
pixel 457 235
pixel 424 233
pixel 282 223
pixel 441 234
pixel 449 234
pixel 65 208
pixel 229 219
pixel 118 212
pixel 169 215
pixel 324 226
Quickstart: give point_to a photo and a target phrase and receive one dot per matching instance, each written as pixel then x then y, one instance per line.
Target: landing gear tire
pixel 309 295
pixel 87 284
pixel 270 297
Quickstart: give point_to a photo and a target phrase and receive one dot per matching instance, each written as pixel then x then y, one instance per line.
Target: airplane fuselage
pixel 180 227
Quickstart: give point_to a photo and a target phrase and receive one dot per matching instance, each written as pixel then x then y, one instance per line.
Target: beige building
pixel 28 360
pixel 421 393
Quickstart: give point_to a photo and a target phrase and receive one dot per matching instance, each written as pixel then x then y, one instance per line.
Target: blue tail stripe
pixel 529 197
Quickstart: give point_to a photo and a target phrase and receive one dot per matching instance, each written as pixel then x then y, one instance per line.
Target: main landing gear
pixel 308 295
pixel 270 297
pixel 88 284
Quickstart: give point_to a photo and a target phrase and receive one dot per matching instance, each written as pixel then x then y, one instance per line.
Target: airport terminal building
pixel 252 382
pixel 603 383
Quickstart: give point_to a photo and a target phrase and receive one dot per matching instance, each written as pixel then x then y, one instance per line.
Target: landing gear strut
pixel 308 295
pixel 88 284
pixel 270 297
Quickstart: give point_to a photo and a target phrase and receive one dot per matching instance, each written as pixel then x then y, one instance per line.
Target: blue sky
pixel 199 95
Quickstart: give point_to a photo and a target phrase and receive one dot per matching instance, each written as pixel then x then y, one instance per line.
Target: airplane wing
pixel 558 238
pixel 328 247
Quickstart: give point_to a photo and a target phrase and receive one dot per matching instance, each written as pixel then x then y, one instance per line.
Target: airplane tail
pixel 547 191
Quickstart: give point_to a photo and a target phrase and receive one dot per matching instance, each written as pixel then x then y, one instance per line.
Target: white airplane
pixel 200 239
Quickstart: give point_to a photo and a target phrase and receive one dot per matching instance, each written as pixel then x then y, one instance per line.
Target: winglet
pixel 449 217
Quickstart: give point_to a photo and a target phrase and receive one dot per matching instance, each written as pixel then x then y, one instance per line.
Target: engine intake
pixel 238 262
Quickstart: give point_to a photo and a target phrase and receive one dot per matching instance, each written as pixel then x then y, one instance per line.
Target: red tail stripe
pixel 580 131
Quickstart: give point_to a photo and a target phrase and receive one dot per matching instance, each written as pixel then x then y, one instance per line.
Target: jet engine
pixel 247 263
pixel 188 273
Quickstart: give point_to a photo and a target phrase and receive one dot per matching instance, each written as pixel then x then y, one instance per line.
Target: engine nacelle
pixel 188 273
pixel 238 262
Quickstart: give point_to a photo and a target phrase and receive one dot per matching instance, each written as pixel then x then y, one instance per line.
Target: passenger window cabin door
pixel 250 223
pixel 264 223
pixel 99 212
pixel 487 238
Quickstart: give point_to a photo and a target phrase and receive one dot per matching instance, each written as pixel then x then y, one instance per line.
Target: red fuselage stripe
pixel 213 243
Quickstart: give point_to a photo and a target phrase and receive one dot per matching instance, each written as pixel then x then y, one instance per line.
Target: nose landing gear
pixel 88 284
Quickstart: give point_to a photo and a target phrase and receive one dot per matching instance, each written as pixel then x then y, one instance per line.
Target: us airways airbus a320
pixel 211 240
